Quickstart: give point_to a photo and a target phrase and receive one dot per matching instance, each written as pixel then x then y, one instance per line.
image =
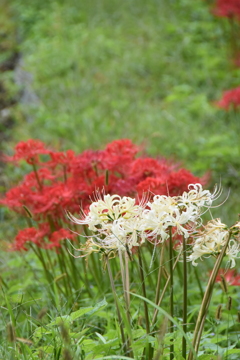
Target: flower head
pixel 28 150
pixel 211 240
pixel 231 277
pixel 230 98
pixel 227 8
pixel 107 210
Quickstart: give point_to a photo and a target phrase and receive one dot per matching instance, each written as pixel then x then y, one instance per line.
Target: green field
pixel 149 72
pixel 89 72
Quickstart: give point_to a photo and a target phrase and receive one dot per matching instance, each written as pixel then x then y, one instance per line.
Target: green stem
pixel 64 278
pixel 145 265
pixel 39 254
pixel 198 281
pixel 148 348
pixel 73 270
pixel 37 177
pixel 159 278
pixel 171 290
pixel 127 278
pixel 184 343
pixel 50 262
pixel 65 173
pixel 125 290
pixel 126 297
pixel 65 263
pixel 87 284
pixel 96 273
pixel 206 300
pixel 163 292
pixel 117 307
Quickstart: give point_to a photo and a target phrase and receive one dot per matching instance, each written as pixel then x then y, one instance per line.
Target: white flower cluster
pixel 116 222
pixel 121 224
pixel 212 240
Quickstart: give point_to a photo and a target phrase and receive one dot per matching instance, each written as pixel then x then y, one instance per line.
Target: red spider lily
pixel 231 277
pixel 149 167
pixel 230 98
pixel 58 236
pixel 28 150
pixel 53 200
pixel 30 235
pixel 122 147
pixel 61 158
pixel 67 181
pixel 178 182
pixel 119 156
pixel 46 176
pixel 153 186
pixel 17 197
pixel 227 8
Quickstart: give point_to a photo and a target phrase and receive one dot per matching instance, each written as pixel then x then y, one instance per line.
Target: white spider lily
pixel 180 218
pixel 103 212
pixel 199 197
pixel 215 225
pixel 121 235
pixel 154 224
pixel 212 241
pixel 233 252
pixel 165 212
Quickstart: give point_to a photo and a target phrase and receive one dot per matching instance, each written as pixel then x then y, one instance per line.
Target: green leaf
pixel 77 314
pixel 231 351
pixel 208 357
pixel 117 357
pixel 170 318
pixel 178 357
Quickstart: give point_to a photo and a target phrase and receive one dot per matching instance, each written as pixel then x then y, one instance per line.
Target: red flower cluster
pixel 63 181
pixel 231 277
pixel 29 151
pixel 227 8
pixel 230 98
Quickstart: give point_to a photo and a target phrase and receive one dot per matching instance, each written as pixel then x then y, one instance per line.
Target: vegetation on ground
pixel 78 75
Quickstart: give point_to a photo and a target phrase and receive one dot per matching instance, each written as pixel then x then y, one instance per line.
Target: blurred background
pixel 79 74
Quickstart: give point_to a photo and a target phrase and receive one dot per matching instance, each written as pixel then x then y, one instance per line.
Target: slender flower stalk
pixel 206 299
pixel 127 278
pixel 149 350
pixel 124 344
pixel 171 290
pixel 198 282
pixel 126 296
pixel 37 177
pixel 185 273
pixel 164 291
pixel 159 278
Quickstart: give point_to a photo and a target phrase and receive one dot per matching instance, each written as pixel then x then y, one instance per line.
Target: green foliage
pixel 88 328
pixel 101 70
pixel 150 72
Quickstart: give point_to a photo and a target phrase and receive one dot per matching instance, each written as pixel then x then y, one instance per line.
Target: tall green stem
pixel 184 343
pixel 127 278
pixel 163 292
pixel 206 300
pixel 125 287
pixel 159 275
pixel 86 280
pixel 126 294
pixel 96 273
pixel 36 175
pixel 199 282
pixel 117 307
pixel 149 348
pixel 171 290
